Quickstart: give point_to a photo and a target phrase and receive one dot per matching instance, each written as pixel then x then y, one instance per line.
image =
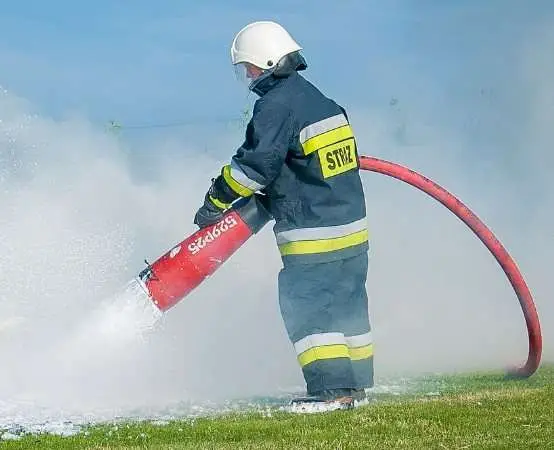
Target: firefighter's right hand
pixel 209 213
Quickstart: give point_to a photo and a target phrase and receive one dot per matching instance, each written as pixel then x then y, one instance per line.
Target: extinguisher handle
pixel 253 212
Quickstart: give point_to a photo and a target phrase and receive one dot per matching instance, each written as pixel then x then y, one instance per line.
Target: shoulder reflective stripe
pixel 323 352
pixel 325 132
pixel 359 340
pixel 328 138
pixel 307 234
pixel 324 245
pixel 322 126
pixel 240 177
pixel 219 203
pixel 358 353
pixel 239 188
pixel 318 339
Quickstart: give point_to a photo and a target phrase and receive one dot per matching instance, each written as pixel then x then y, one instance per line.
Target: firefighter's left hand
pixel 208 214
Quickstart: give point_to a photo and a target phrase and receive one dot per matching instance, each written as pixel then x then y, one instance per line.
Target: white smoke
pixel 77 221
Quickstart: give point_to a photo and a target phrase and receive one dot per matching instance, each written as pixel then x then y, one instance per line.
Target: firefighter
pixel 299 155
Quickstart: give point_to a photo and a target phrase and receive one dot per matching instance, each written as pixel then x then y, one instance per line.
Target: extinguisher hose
pixel 489 240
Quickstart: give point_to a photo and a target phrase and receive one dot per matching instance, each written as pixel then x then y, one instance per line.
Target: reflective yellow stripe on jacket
pixel 238 181
pixel 324 133
pixel 303 241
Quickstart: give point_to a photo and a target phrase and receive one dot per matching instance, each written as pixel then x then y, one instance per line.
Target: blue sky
pixel 168 61
pixel 446 63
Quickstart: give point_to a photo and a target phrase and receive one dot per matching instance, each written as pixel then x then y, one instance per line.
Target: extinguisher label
pixel 213 233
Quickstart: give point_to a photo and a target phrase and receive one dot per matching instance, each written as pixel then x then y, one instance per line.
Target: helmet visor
pixel 247 73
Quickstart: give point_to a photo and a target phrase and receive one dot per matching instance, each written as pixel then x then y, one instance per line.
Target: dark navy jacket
pixel 300 151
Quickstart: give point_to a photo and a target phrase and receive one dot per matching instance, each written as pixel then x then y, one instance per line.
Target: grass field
pixel 474 411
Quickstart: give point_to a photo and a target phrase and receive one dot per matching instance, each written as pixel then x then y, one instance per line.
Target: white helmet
pixel 262 44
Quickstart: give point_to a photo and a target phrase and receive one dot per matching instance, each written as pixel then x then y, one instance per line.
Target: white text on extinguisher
pixel 215 232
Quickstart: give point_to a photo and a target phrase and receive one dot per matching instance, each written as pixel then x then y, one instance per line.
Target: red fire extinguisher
pixel 176 273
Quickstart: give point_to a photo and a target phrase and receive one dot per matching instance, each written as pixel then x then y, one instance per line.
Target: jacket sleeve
pixel 259 160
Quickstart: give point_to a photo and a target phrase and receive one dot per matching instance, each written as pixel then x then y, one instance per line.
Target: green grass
pixel 481 411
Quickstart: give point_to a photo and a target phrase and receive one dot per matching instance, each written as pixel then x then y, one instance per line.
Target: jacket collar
pixel 288 66
pixel 266 83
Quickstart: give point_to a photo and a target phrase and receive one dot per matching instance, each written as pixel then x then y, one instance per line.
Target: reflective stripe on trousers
pixel 333 345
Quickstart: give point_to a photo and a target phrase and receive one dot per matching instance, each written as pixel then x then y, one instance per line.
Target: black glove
pixel 219 198
pixel 209 213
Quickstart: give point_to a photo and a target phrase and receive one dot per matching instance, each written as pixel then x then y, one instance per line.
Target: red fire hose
pixel 488 238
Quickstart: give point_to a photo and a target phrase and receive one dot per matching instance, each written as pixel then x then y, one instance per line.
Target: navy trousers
pixel 324 307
